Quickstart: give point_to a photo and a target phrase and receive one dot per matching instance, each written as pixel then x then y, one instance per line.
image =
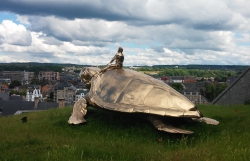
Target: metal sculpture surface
pixel 129 91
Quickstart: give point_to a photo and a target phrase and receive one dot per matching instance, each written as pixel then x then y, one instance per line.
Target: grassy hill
pixel 116 136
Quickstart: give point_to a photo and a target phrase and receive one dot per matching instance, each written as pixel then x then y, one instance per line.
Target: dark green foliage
pixel 229 69
pixel 51 95
pixel 164 70
pixel 13 92
pixel 117 136
pixel 35 81
pixel 22 93
pixel 14 83
pixel 247 102
pixel 206 67
pixel 32 67
pixel 212 90
pixel 219 74
pixel 177 86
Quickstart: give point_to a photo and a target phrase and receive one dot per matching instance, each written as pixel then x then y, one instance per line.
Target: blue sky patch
pixel 244 44
pixel 8 16
pixel 134 45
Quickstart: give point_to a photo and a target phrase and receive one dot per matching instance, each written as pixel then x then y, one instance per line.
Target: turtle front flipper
pixel 161 126
pixel 79 111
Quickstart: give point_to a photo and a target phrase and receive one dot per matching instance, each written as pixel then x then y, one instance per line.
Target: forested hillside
pixel 219 71
pixel 34 67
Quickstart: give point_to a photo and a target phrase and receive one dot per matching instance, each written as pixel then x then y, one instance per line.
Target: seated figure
pixel 118 58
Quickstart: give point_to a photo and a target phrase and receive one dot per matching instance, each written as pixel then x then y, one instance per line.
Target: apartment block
pixel 49 76
pixel 65 91
pixel 22 76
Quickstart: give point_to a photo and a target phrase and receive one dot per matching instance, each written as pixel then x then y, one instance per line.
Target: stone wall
pixel 237 93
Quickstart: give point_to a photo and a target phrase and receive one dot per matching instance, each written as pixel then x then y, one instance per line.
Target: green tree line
pixel 35 69
pixel 212 90
pixel 196 73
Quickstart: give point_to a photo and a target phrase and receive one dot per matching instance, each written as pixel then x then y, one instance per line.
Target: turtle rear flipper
pixel 161 126
pixel 206 120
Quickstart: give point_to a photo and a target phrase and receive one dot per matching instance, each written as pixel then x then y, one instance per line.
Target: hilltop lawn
pixel 116 136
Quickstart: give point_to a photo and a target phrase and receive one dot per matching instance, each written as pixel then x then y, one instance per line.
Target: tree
pixel 14 83
pixel 34 81
pixel 23 92
pixel 212 90
pixel 51 95
pixel 13 92
pixel 177 86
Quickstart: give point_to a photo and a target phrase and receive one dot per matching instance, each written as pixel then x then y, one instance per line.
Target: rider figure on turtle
pixel 118 58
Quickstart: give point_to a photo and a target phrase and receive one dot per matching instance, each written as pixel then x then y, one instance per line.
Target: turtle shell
pixel 129 91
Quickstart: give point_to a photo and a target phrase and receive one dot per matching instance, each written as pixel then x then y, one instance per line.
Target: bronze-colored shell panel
pixel 129 91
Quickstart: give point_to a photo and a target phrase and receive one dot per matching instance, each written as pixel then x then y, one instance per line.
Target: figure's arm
pixel 113 59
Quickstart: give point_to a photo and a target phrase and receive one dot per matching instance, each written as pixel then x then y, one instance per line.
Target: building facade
pixel 194 97
pixel 33 93
pixel 189 79
pixel 179 79
pixel 4 87
pixel 5 80
pixel 46 90
pixel 80 93
pixel 22 76
pixel 66 91
pixel 49 76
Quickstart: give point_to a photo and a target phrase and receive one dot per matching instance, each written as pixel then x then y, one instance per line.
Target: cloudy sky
pixel 151 32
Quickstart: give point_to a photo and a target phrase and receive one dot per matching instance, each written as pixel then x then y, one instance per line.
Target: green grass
pixel 116 136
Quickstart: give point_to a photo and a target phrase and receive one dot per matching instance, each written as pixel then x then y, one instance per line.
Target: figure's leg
pixel 112 66
pixel 79 111
pixel 161 126
pixel 104 69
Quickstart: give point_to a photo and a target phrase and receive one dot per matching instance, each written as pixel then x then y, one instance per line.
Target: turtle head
pixel 87 74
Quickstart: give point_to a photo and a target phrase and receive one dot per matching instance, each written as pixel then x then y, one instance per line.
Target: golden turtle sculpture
pixel 129 91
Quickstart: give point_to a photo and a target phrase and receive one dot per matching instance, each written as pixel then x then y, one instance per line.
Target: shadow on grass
pixel 120 124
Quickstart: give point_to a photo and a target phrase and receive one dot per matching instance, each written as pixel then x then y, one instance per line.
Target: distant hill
pixel 39 64
pixel 57 67
pixel 35 67
pixel 206 67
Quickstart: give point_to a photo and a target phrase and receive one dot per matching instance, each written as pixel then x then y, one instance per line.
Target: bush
pixel 247 102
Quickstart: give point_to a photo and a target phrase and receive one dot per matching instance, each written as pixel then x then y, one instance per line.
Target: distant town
pixel 46 85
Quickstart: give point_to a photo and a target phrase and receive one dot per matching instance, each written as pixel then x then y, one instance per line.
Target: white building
pixel 80 93
pixel 5 80
pixel 32 94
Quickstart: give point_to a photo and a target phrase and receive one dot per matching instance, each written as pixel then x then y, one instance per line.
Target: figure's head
pixel 87 74
pixel 120 50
